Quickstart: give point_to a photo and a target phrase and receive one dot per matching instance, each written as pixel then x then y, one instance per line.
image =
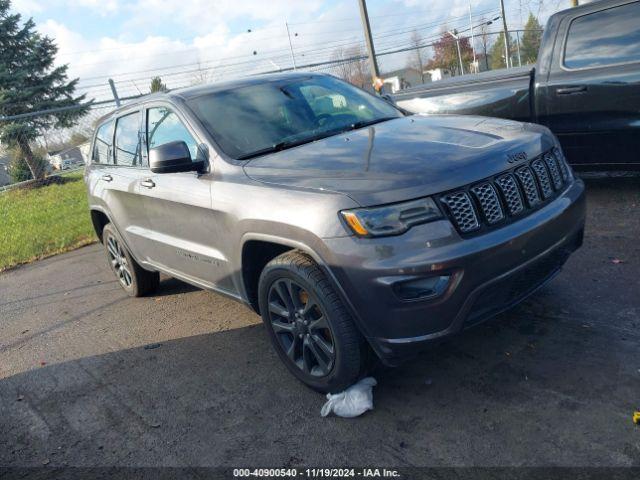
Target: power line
pixel 399 49
pixel 383 34
pixel 307 53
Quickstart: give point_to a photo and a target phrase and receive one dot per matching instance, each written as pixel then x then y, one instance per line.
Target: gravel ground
pixel 91 377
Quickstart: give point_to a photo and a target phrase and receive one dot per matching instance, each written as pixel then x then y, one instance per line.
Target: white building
pixel 438 74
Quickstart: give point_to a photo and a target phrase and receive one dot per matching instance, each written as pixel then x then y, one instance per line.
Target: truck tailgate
pixel 501 93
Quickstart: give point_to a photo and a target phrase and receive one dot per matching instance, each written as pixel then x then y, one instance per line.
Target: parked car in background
pixel 350 227
pixel 585 86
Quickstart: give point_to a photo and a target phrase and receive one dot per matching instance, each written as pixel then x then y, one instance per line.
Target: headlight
pixel 391 219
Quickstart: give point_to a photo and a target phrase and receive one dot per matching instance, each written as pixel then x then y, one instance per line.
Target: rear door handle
pixel 148 183
pixel 107 178
pixel 571 90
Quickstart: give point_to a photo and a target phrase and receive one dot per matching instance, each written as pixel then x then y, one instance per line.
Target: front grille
pixel 553 170
pixel 500 199
pixel 509 188
pixel 490 206
pixel 564 169
pixel 543 178
pixel 528 184
pixel 462 210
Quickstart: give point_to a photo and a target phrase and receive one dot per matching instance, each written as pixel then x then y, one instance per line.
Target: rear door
pixel 184 231
pixel 119 178
pixel 592 98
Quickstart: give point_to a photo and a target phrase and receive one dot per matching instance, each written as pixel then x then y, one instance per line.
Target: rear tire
pixel 308 324
pixel 134 279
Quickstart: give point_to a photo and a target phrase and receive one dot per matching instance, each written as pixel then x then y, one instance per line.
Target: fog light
pixel 422 288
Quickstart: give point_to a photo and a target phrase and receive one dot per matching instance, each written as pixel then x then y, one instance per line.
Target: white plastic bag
pixel 354 401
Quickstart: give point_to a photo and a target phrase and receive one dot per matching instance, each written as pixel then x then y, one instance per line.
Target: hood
pixel 405 158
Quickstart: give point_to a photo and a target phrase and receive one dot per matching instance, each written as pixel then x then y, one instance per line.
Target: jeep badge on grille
pixel 516 157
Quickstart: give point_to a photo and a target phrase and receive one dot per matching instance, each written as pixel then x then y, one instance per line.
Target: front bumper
pixel 489 273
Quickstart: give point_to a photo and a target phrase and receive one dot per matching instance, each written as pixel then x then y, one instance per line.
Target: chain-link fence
pixel 36 145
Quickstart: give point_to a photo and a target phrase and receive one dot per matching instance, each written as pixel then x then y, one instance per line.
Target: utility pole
pixel 375 73
pixel 114 91
pixel 456 37
pixel 518 45
pixel 293 57
pixel 473 40
pixel 507 47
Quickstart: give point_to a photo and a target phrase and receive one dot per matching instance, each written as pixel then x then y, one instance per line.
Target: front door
pixel 592 98
pixel 184 228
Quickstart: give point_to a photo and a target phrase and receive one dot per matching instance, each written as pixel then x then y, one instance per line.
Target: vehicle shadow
pixel 172 286
pixel 224 398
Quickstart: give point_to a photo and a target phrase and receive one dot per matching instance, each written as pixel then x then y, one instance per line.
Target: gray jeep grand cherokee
pixel 351 227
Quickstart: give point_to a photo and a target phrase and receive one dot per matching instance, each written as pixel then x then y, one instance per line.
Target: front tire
pixel 309 326
pixel 134 279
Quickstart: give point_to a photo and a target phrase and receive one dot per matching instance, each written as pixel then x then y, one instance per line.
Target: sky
pixel 184 40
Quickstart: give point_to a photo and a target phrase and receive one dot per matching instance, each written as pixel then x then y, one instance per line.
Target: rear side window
pixel 127 148
pixel 164 126
pixel 102 147
pixel 604 38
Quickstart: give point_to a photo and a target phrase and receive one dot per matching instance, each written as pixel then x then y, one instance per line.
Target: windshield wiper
pixel 276 147
pixel 366 123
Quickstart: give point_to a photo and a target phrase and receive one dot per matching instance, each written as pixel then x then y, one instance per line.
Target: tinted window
pixel 164 126
pixel 127 151
pixel 604 38
pixel 103 144
pixel 251 119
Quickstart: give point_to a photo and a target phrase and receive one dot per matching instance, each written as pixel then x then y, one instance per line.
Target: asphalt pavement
pixel 91 377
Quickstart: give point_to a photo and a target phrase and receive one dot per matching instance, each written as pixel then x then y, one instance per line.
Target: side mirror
pixel 172 157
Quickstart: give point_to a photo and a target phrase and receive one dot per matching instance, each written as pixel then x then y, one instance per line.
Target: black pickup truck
pixel 585 86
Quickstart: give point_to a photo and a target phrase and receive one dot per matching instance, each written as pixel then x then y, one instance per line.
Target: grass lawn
pixel 35 223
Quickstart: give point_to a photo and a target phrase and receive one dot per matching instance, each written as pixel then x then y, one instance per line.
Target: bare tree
pixel 416 58
pixel 484 40
pixel 201 76
pixel 351 65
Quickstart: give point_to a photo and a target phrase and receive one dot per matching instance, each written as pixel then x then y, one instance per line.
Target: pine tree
pixel 497 52
pixel 157 85
pixel 531 40
pixel 30 82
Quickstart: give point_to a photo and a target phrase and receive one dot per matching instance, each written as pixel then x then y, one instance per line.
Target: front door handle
pixel 148 183
pixel 107 178
pixel 571 90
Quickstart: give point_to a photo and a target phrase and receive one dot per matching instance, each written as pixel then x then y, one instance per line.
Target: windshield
pixel 249 121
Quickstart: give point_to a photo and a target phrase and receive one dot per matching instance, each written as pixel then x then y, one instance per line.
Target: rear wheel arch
pixel 99 219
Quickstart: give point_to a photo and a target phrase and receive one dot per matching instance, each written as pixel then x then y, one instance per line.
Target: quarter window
pixel 604 38
pixel 127 151
pixel 103 144
pixel 164 126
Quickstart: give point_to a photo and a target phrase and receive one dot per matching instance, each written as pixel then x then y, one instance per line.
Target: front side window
pixel 127 144
pixel 164 126
pixel 251 120
pixel 102 147
pixel 603 38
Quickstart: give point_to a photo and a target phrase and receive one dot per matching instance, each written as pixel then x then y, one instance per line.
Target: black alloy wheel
pixel 311 330
pixel 301 327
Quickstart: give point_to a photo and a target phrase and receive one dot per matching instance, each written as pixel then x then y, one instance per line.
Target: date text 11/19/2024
pixel 316 473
